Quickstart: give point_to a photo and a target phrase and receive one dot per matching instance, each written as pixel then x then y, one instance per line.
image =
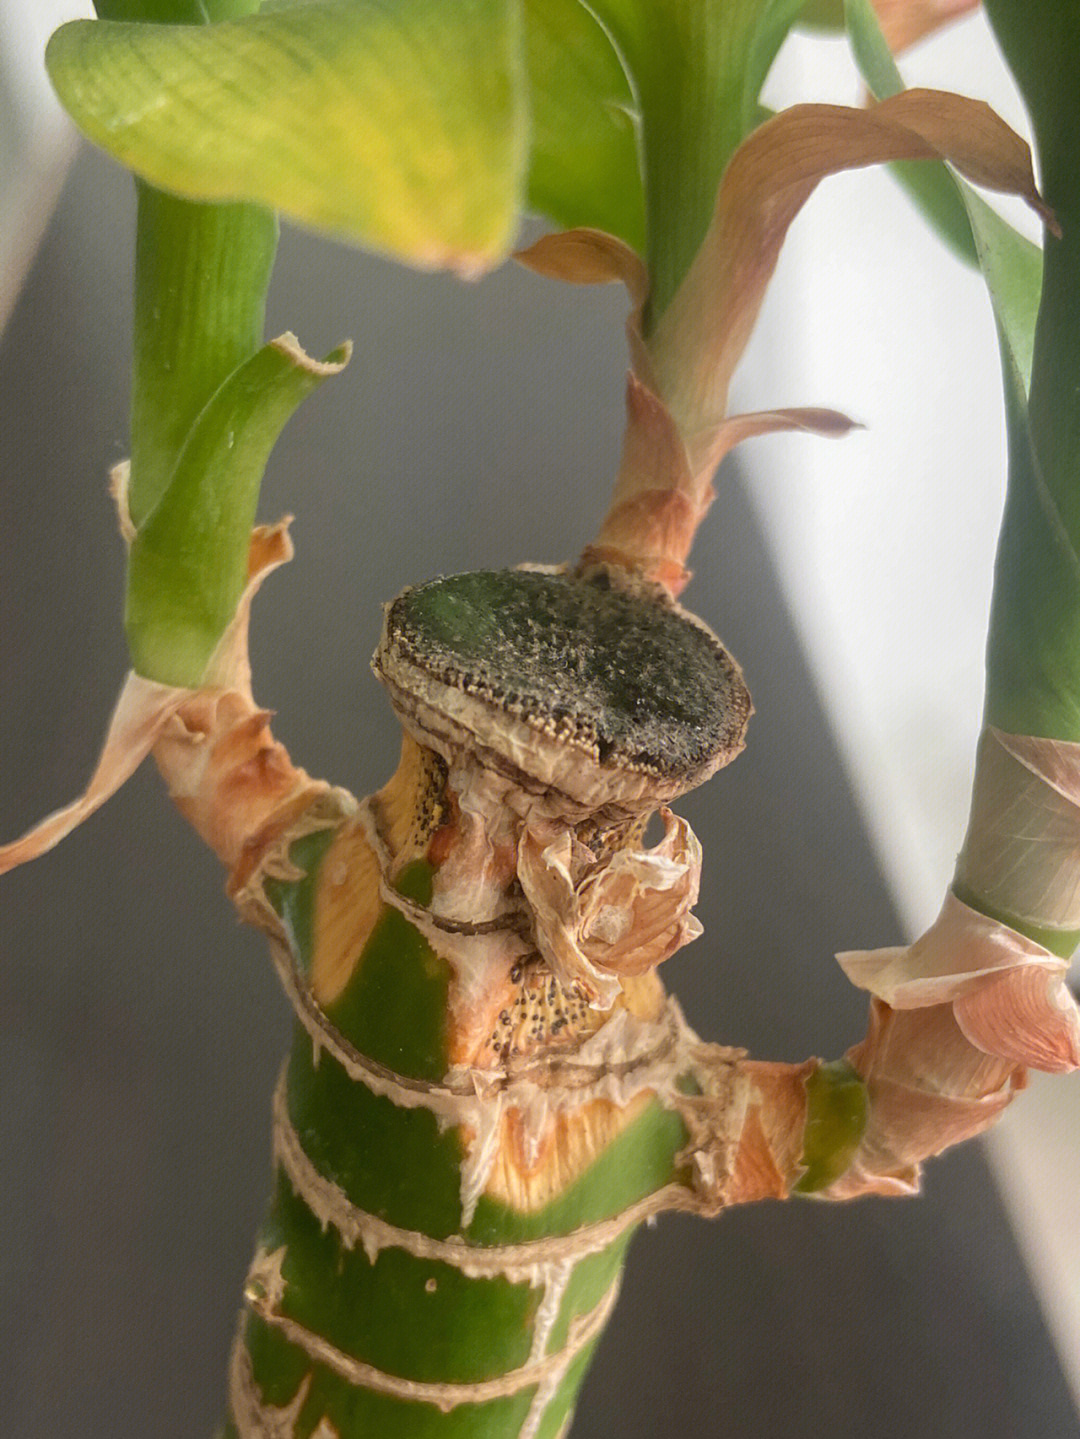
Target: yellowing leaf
pixel 398 127
pixel 677 426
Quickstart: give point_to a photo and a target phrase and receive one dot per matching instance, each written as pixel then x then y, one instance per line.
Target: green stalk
pixel 697 67
pixel 459 1176
pixel 1033 658
pixel 460 1168
pixel 201 277
pixel 188 562
pixel 409 1317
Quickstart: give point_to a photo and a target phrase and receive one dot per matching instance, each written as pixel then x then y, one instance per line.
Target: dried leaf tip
pixel 905 22
pixel 677 428
pixel 703 333
pixel 212 744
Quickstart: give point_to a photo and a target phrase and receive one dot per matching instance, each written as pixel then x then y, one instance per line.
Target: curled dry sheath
pixel 489 1087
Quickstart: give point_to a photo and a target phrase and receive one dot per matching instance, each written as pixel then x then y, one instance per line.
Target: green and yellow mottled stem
pixel 488 1089
pixel 464 1144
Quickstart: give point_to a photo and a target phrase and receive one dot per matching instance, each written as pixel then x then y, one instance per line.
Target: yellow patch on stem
pixel 347 906
pixel 527 1176
pixel 410 807
pixel 348 902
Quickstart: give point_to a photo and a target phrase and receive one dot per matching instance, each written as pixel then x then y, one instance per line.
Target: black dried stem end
pixel 606 691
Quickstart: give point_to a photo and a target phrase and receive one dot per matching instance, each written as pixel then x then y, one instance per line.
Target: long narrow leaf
pixel 1033 684
pixel 930 186
pixel 1011 264
pixel 1042 45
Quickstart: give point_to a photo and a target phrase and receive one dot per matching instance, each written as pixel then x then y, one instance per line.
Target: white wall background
pixel 36 141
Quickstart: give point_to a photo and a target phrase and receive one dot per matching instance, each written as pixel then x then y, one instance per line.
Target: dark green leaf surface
pixel 1042 45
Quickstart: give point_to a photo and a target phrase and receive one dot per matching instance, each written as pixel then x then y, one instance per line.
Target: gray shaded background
pixel 142 1030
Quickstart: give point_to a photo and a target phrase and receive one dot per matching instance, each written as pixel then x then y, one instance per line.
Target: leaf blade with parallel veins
pixel 419 147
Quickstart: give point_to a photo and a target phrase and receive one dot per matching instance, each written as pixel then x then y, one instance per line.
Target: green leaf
pixel 1011 264
pixel 584 166
pixel 400 127
pixel 932 187
pixel 1041 41
pixel 871 50
pixel 201 276
pixel 822 15
pixel 1033 658
pixel 1013 270
pixel 696 67
pixel 1033 682
pixel 188 560
pixel 1042 45
pixel 1033 655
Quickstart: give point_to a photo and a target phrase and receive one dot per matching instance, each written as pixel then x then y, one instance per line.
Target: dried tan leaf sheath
pixel 1021 855
pixel 702 334
pixel 956 1020
pixel 677 430
pixel 595 923
pixel 1008 993
pixel 928 1087
pixel 904 22
pixel 228 775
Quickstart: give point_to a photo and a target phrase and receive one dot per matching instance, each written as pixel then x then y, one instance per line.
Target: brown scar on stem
pixel 413 805
pixel 584 689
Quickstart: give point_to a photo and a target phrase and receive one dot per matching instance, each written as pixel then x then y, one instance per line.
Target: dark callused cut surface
pixel 632 677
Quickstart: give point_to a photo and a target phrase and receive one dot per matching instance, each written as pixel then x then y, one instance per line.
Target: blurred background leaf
pixel 400 128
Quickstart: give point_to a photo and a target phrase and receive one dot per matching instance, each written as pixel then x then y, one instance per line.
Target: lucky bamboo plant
pixel 488 1088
